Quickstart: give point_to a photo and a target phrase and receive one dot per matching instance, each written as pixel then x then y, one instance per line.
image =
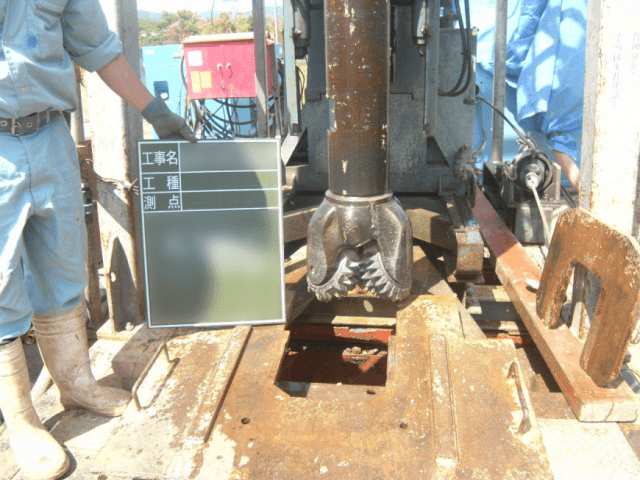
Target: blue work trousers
pixel 42 230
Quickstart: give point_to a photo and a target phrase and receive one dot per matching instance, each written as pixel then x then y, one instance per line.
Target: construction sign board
pixel 212 232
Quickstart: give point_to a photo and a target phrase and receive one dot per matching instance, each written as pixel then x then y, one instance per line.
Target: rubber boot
pixel 65 350
pixel 36 452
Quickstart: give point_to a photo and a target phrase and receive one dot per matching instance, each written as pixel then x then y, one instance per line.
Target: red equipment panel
pixel 223 66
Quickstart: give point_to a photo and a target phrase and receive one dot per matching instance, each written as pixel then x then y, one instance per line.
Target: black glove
pixel 167 124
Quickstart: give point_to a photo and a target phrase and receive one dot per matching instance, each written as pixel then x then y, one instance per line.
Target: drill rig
pixel 388 117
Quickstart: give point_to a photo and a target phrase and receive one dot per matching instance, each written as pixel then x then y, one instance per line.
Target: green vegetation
pixel 174 27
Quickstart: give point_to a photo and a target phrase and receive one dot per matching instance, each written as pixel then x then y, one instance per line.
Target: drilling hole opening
pixel 342 356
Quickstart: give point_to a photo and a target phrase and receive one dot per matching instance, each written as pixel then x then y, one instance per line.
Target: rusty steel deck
pixel 433 405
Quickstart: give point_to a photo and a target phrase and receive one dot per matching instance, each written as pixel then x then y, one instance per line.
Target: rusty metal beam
pixel 559 348
pixel 469 252
pixel 431 227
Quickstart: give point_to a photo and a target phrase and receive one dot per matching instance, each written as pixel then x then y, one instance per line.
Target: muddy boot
pixel 63 344
pixel 37 454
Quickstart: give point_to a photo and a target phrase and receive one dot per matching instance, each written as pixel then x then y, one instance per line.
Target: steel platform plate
pixel 448 410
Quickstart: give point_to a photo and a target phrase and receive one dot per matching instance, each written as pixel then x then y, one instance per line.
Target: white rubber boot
pixel 36 452
pixel 65 350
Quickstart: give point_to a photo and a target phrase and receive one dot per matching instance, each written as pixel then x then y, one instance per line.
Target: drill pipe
pixel 360 234
pixel 357 57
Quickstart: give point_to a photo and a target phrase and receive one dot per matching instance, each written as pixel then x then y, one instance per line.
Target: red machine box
pixel 223 65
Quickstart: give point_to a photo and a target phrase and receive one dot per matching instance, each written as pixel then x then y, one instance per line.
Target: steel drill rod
pixel 357 58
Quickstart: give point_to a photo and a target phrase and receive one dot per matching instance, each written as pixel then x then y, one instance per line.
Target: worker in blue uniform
pixel 42 232
pixel 545 69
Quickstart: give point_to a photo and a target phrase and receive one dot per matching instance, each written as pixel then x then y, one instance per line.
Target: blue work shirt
pixel 40 38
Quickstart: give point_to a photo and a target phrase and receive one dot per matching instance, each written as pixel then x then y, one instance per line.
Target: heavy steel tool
pixel 360 234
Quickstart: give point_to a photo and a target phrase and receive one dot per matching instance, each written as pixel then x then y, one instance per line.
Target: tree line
pixel 174 27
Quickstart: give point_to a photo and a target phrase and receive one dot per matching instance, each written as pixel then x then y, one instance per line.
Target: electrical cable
pixel 225 102
pixel 483 145
pixel 230 122
pixel 520 133
pixel 463 41
pixel 301 81
pixel 467 62
pixel 532 183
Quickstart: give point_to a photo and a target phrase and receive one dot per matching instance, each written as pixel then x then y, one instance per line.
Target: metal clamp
pixel 145 372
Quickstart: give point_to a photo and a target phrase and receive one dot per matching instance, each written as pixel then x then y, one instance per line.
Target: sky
pixel 197 5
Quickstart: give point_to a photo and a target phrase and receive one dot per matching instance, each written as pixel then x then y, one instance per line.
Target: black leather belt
pixel 28 124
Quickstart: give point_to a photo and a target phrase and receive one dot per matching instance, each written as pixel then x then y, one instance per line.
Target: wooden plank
pixel 560 349
pixel 610 122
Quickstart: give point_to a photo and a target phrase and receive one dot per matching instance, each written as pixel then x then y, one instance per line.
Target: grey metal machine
pixel 510 186
pixel 386 107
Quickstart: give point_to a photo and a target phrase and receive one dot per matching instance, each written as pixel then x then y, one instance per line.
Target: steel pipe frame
pixel 119 126
pixel 262 78
pixel 499 79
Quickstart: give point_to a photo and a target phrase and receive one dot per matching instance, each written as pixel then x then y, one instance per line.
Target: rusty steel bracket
pixel 431 227
pixel 612 256
pixel 559 348
pixel 469 253
pixel 451 226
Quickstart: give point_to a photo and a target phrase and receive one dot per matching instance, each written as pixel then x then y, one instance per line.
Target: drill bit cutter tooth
pixel 359 240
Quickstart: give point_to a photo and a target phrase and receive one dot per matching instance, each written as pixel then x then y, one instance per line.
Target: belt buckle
pixel 15 124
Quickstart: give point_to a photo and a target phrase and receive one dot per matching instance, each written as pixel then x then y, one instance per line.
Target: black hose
pixel 467 61
pixel 520 133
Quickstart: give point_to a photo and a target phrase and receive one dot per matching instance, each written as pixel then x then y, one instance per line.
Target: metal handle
pixel 145 372
pixel 525 424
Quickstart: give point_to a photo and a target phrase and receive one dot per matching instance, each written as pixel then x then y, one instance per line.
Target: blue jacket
pixel 40 38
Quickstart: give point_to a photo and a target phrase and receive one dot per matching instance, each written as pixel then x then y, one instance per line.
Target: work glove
pixel 167 124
